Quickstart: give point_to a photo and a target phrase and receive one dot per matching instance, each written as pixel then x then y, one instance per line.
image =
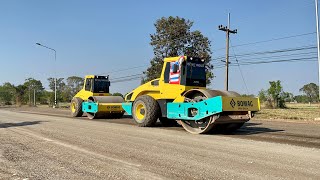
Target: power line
pixel 240 55
pixel 288 60
pixel 309 47
pixel 245 84
pixel 310 59
pixel 280 56
pixel 255 58
pixel 126 80
pixel 128 76
pixel 139 76
pixel 124 69
pixel 218 58
pixel 264 41
pixel 300 48
pixel 243 64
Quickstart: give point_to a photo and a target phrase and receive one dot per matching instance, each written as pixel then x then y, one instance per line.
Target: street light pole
pixel 318 42
pixel 55 78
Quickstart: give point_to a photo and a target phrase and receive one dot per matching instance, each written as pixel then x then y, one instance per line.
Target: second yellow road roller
pixel 95 100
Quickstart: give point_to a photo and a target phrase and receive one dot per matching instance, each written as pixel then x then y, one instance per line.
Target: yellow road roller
pixel 180 96
pixel 95 100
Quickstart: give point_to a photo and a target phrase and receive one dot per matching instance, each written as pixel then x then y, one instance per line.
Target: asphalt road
pixel 34 146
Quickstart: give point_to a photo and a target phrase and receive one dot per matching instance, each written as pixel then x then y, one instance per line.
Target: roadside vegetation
pixel 277 104
pixel 293 111
pixel 32 92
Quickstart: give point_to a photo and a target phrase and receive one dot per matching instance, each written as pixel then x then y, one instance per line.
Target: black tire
pixel 151 111
pixel 76 107
pixel 168 122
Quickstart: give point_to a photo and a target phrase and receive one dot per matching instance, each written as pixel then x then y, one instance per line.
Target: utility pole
pixel 228 31
pixel 34 97
pixel 318 42
pixel 29 95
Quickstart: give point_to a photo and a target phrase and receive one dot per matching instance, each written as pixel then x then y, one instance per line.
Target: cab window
pixel 101 86
pixel 167 73
pixel 88 84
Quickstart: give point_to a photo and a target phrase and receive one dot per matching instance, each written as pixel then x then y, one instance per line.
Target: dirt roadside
pixel 65 112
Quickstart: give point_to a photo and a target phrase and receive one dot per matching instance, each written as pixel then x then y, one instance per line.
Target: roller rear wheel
pixel 76 107
pixel 145 111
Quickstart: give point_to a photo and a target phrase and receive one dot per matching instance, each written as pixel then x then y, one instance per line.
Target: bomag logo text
pixel 113 107
pixel 244 103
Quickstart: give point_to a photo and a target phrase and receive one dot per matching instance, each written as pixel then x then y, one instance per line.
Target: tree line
pixel 32 91
pixel 275 97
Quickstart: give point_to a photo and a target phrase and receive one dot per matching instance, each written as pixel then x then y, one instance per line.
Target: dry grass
pixel 292 112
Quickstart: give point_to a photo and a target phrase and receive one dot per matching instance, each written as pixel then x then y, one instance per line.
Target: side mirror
pixel 175 68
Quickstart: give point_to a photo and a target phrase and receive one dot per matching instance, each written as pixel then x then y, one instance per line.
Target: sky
pixel 106 37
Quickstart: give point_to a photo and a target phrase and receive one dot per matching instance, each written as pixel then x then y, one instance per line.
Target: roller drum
pixel 105 99
pixel 210 123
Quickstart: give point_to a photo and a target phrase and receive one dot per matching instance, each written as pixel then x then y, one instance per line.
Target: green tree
pixel 275 93
pixel 311 90
pixel 174 37
pixel 61 85
pixel 287 97
pixel 74 85
pixel 34 87
pixel 262 95
pixel 20 91
pixel 17 92
pixel 7 92
pixel 248 95
pixel 45 97
pixel 117 94
pixel 301 98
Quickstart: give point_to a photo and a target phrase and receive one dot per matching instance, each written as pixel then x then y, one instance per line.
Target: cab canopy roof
pixel 96 77
pixel 186 58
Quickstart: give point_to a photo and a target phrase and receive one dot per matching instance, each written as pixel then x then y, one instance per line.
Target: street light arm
pixel 46 47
